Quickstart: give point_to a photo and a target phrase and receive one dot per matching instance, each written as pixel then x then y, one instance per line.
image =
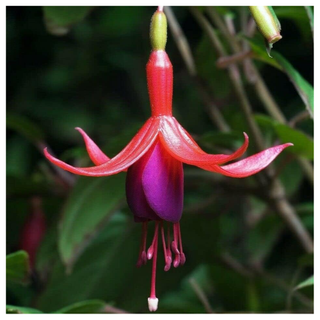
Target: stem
pixel 181 41
pixel 187 57
pixel 201 295
pixel 224 62
pixel 279 202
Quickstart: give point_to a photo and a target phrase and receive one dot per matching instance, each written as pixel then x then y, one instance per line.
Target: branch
pixel 201 295
pixel 272 186
pixel 184 48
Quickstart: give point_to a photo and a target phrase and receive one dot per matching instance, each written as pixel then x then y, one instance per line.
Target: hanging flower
pixel 153 160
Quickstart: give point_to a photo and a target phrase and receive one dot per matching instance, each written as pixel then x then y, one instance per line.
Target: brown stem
pixel 181 41
pixel 224 62
pixel 281 205
pixel 184 48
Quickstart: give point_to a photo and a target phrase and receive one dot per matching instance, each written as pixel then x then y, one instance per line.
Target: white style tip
pixel 153 304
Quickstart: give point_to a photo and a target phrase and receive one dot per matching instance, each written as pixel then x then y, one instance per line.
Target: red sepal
pixel 136 148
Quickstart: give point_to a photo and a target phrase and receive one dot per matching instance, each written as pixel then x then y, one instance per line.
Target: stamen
pixel 151 249
pixel 169 241
pixel 167 252
pixel 152 300
pixel 142 253
pixel 174 246
pixel 182 255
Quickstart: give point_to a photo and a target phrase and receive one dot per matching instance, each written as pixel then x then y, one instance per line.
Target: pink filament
pixel 142 254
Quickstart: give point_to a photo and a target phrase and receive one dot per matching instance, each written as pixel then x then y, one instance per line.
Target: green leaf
pixel 310 16
pixel 303 87
pixel 259 51
pixel 25 127
pixel 303 145
pixel 291 182
pixel 58 20
pixel 306 283
pixel 17 267
pixel 298 15
pixel 100 272
pixel 264 120
pixel 91 203
pixel 17 309
pixel 88 306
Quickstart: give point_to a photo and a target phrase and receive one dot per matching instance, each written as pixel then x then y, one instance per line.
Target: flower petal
pixel 136 198
pixel 162 182
pixel 181 146
pixel 136 148
pixel 252 164
pixel 94 152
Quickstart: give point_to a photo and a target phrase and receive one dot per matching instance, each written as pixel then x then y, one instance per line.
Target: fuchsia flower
pixel 154 159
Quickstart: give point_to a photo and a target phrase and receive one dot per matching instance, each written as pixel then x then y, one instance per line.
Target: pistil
pixel 153 300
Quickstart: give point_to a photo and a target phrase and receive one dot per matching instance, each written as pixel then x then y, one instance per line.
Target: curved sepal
pixel 136 148
pixel 251 165
pixel 181 146
pixel 94 152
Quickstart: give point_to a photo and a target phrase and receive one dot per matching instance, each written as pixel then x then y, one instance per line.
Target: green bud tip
pixel 267 23
pixel 158 30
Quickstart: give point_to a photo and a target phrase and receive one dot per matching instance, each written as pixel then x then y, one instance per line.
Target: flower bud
pixel 267 23
pixel 158 30
pixel 33 230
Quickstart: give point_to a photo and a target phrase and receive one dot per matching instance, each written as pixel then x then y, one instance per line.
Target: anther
pixel 166 251
pixel 142 254
pixel 182 255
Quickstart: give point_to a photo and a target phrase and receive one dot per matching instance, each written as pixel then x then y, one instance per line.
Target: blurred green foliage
pixel 91 74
